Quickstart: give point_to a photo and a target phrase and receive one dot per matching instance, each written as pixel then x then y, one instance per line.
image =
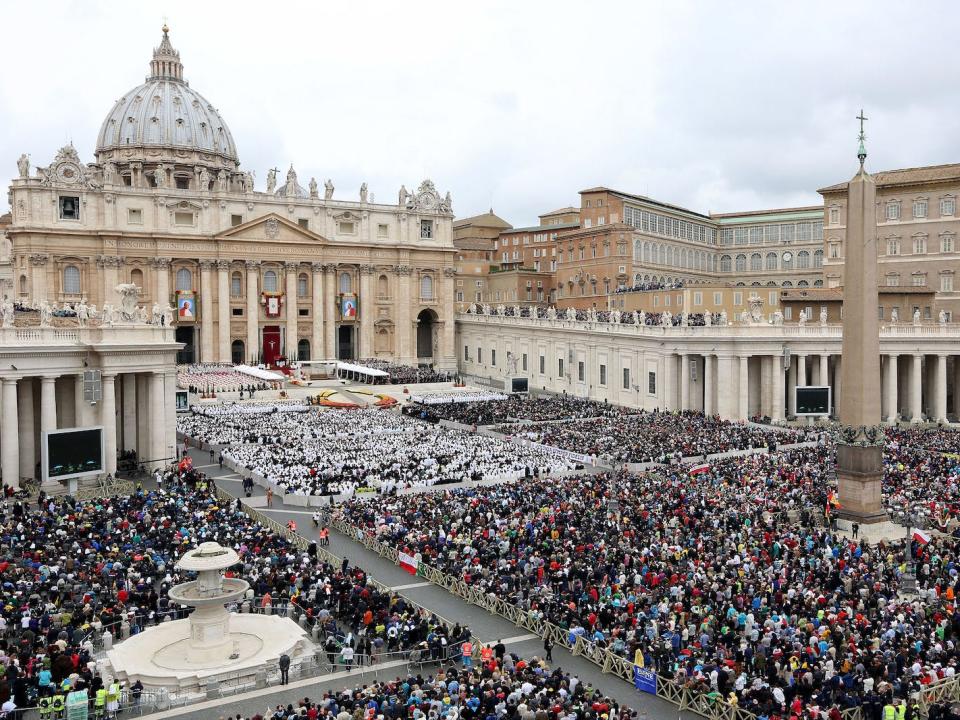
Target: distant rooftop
pixel 907 176
pixel 569 210
pixel 487 219
pixel 543 228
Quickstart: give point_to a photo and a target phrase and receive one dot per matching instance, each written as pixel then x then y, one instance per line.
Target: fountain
pixel 181 654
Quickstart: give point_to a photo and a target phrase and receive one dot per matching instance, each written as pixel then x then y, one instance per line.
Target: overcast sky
pixel 517 105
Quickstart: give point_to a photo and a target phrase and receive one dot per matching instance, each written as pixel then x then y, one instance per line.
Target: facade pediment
pixel 271 228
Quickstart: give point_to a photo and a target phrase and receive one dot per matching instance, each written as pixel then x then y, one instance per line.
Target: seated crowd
pixel 206 377
pixel 517 407
pixel 728 581
pixel 398 374
pixel 653 436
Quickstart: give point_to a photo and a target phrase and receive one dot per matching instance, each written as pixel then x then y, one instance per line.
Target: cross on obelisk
pixel 862 150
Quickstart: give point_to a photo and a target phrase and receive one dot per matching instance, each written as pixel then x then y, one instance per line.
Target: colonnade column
pixel 80 408
pixel 252 348
pixel 170 413
pixel 956 386
pixel 792 390
pixel 824 374
pixel 889 375
pixel 724 384
pixel 766 390
pixel 293 334
pixel 708 382
pixel 404 327
pixel 9 432
pixel 916 389
pixel 837 382
pixel 162 269
pixel 684 381
pixel 743 388
pixel 801 370
pixel 108 418
pixel 25 420
pixel 223 310
pixel 206 312
pixel 776 386
pixel 669 380
pixel 317 303
pixel 329 314
pixel 157 418
pixel 48 403
pixel 129 410
pixel 367 304
pixel 940 389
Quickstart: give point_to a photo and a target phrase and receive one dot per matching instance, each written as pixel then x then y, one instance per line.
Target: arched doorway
pixel 236 352
pixel 426 321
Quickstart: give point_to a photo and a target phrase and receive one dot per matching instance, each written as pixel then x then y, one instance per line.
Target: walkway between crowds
pixel 484 625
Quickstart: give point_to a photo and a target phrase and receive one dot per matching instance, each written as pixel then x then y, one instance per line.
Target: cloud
pixel 715 106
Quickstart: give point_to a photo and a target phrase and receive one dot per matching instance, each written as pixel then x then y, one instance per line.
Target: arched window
pixel 755 283
pixel 818 283
pixel 662 254
pixel 426 288
pixel 23 284
pixel 346 282
pixel 236 352
pixel 756 261
pixel 636 250
pixel 741 263
pixel 725 263
pixel 785 263
pixel 136 277
pixel 303 350
pixel 270 281
pixel 771 283
pixel 787 283
pixel 803 259
pixel 818 259
pixel 803 283
pixel 303 286
pixel 236 285
pixel 184 280
pixel 71 280
pixel 383 287
pixel 771 261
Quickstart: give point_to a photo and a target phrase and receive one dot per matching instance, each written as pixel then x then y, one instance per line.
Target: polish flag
pixel 700 469
pixel 408 563
pixel 921 537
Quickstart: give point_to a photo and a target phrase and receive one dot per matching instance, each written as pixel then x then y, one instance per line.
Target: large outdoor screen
pixel 813 400
pixel 75 452
pixel 519 385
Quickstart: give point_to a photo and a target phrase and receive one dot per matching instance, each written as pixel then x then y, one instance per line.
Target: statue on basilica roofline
pixel 404 195
pixel 328 189
pixel 248 182
pixel 894 316
pixel 23 165
pixel 291 186
pixel 271 181
pixel 363 193
pixel 160 177
pixel 723 317
pixel 313 189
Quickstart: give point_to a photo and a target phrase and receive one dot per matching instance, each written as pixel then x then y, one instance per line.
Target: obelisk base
pixel 859 475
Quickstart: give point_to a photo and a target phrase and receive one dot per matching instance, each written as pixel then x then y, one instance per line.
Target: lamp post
pixel 911 519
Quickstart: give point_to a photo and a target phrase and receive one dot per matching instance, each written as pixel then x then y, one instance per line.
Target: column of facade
pixel 48 403
pixel 170 414
pixel 824 374
pixel 792 389
pixel 404 326
pixel 366 304
pixel 252 348
pixel 939 404
pixel 38 276
pixel 108 418
pixel 801 370
pixel 65 394
pixel 9 435
pixel 916 388
pixel 766 391
pixel 888 382
pixel 743 388
pixel 162 270
pixel 329 313
pixel 81 409
pixel 837 378
pixel 956 387
pixel 206 312
pixel 24 418
pixel 684 381
pixel 143 417
pixel 669 380
pixel 448 326
pixel 724 383
pixel 317 305
pixel 708 381
pixel 223 310
pixel 129 409
pixel 290 292
pixel 157 419
pixel 776 387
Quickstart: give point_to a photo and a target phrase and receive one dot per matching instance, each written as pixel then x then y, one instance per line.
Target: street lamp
pixel 911 519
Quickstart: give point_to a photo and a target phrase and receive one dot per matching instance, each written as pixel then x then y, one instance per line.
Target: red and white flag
pixel 700 469
pixel 408 563
pixel 921 537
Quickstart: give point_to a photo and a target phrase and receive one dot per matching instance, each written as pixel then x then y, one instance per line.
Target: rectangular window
pixel 948 206
pixel 772 298
pixel 603 375
pixel 697 299
pixel 523 362
pixel 135 216
pixel 236 312
pixel 834 216
pixel 920 245
pixel 626 378
pixel 946 283
pixel 479 355
pixel 919 279
pixel 652 383
pixel 69 207
pixel 183 218
pixel 346 228
pixel 182 183
pixel 580 371
pixel 304 223
pixel 543 365
pixel 880 313
pixel 559 367
pixel 893 210
pixel 426 229
pixel 236 286
pixel 738 298
pixel 236 220
pixel 493 357
pixel 946 244
pixel 383 230
pixel 717 298
pixel 459 295
pixel 920 208
pixel 303 312
pixel 466 353
pixel 893 246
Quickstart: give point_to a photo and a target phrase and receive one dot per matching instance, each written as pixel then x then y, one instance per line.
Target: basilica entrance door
pixel 271 344
pixel 345 342
pixel 184 334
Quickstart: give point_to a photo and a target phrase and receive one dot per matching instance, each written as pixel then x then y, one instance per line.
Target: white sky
pixel 716 106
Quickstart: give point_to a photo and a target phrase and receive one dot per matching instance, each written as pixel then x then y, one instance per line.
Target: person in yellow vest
pixel 889 711
pixel 45 705
pixel 100 703
pixel 58 705
pixel 901 710
pixel 113 699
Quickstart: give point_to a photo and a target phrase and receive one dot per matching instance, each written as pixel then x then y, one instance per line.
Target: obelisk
pixel 860 445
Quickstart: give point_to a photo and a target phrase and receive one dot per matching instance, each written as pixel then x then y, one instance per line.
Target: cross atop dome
pixel 166 64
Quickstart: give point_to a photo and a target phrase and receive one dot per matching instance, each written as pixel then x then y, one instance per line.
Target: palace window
pixel 236 285
pixel 426 229
pixel 626 378
pixel 946 243
pixel 803 260
pixel 346 282
pixel 270 281
pixel 426 288
pixel 919 279
pixel 818 258
pixel 725 263
pixel 71 280
pixel 741 263
pixel 134 216
pixel 603 374
pixel 948 205
pixel 303 286
pixel 893 246
pixel 920 208
pixel 919 244
pixel 184 280
pixel 69 207
pixel 893 210
pixel 834 216
pixel 652 383
pixel 893 279
pixel 771 261
pixel 756 262
pixel 946 282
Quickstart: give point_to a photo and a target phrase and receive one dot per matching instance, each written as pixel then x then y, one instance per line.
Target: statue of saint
pixel 313 189
pixel 160 177
pixel 328 189
pixel 291 186
pixel 204 179
pixel 23 165
pixel 271 181
pixel 363 193
pixel 403 196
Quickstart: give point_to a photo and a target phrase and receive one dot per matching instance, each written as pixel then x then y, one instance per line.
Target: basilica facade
pixel 253 274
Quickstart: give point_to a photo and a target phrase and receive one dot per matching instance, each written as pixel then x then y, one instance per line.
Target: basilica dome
pixel 165 119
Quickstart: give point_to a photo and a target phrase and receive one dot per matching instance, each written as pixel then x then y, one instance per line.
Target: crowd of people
pixel 729 581
pixel 652 285
pixel 516 407
pixel 398 374
pixel 218 378
pixel 654 436
pixel 503 687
